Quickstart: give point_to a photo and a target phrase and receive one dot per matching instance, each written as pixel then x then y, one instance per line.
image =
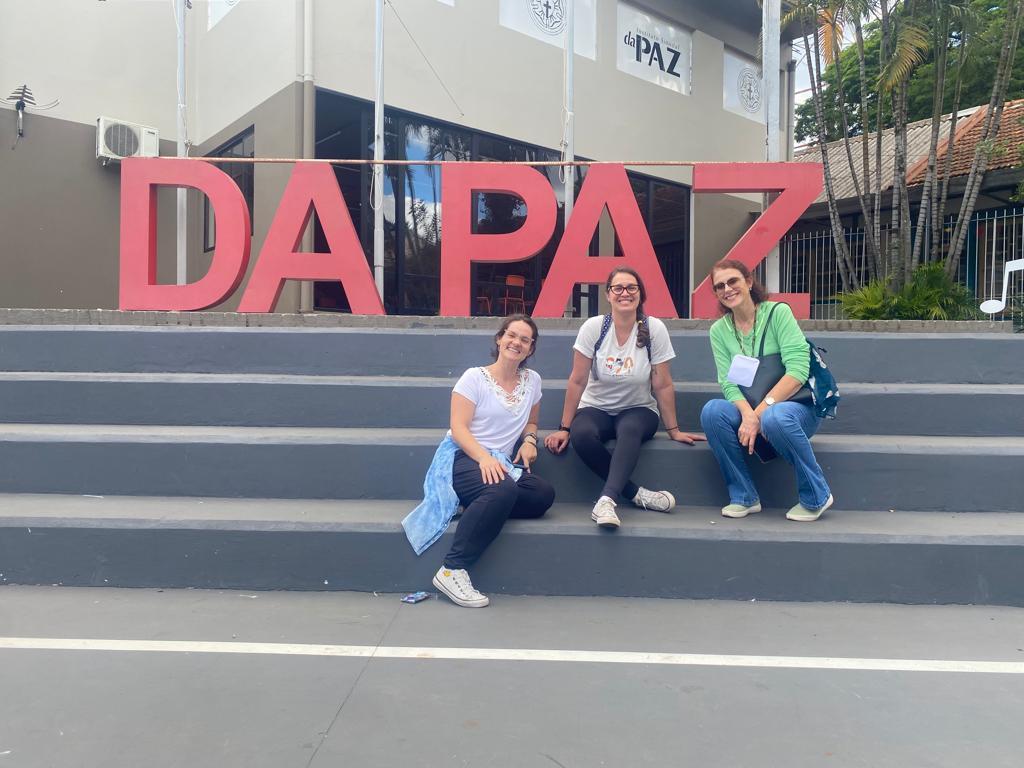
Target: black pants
pixel 487 507
pixel 592 428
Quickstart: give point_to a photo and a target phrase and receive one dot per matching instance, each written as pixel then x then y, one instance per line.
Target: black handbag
pixel 770 370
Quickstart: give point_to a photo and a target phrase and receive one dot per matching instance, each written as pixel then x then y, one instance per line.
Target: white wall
pixel 114 58
pixel 510 84
pixel 247 57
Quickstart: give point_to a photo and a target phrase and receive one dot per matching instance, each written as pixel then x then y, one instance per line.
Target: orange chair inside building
pixel 515 295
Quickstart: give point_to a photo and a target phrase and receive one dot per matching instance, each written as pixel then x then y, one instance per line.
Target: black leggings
pixel 486 507
pixel 631 428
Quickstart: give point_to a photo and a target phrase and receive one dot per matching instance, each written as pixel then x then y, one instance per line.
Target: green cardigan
pixel 784 336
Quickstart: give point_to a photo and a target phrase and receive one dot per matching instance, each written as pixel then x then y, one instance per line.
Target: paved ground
pixel 781 684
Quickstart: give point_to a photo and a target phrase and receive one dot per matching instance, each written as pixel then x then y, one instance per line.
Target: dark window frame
pixel 246 172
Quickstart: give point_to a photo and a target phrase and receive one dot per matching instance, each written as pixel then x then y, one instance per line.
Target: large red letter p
pixel 459 246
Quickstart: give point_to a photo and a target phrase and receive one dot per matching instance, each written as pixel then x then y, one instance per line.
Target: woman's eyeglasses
pixel 618 290
pixel 524 340
pixel 732 282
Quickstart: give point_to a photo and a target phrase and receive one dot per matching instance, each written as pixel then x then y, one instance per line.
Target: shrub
pixel 930 295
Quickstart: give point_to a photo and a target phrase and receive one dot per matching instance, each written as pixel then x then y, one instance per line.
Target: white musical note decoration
pixel 992 306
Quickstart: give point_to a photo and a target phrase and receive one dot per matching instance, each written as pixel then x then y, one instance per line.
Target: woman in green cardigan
pixel 732 425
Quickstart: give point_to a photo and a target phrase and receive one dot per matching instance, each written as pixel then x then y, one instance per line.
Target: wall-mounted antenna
pixel 22 98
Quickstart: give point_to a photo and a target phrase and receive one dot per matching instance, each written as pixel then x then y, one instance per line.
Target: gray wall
pixel 60 218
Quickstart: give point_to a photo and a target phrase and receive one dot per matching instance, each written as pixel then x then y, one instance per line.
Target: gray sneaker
pixel 456 585
pixel 659 501
pixel 802 514
pixel 738 510
pixel 604 513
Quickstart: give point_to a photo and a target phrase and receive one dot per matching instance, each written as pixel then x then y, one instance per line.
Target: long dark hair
pixel 757 291
pixel 516 318
pixel 643 332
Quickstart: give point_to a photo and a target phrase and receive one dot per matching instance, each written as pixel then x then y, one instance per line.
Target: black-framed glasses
pixel 631 290
pixel 732 282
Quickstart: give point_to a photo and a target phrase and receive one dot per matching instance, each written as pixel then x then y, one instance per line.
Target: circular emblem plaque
pixel 748 86
pixel 548 15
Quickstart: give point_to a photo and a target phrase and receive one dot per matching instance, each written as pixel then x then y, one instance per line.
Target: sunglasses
pixel 618 290
pixel 732 282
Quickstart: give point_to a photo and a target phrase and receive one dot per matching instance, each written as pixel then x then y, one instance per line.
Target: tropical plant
pixel 930 294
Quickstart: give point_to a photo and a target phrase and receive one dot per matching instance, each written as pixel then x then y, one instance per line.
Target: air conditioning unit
pixel 117 139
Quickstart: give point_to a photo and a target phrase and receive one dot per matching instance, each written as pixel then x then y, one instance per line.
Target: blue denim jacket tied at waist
pixel 426 524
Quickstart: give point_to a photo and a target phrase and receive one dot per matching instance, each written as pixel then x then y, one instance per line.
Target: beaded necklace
pixel 753 335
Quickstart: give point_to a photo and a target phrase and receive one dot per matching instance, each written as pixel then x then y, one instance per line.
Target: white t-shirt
pixel 623 372
pixel 499 418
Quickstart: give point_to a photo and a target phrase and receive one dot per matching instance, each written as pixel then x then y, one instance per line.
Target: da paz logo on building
pixel 649 50
pixel 548 15
pixel 748 86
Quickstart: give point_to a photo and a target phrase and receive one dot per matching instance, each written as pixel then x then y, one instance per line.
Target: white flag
pixel 546 20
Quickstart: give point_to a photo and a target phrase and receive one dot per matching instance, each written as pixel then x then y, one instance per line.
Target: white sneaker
pixel 604 513
pixel 659 501
pixel 456 585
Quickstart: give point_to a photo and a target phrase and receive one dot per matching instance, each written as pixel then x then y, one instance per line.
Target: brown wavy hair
pixel 643 331
pixel 757 291
pixel 516 318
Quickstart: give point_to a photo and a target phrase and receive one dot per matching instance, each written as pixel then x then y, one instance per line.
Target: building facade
pixel 665 80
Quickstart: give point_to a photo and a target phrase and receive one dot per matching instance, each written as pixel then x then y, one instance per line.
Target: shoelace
pixel 465 585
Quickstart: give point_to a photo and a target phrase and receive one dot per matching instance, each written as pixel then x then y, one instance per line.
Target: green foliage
pixel 869 302
pixel 930 295
pixel 988 15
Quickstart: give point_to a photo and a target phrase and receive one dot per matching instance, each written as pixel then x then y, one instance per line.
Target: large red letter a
pixel 604 185
pixel 312 186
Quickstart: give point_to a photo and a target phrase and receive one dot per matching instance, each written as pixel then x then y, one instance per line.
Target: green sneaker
pixel 738 510
pixel 802 514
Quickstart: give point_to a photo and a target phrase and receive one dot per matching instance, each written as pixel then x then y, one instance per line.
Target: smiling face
pixel 624 293
pixel 732 289
pixel 515 343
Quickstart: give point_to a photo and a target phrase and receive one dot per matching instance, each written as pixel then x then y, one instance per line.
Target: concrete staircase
pixel 285 459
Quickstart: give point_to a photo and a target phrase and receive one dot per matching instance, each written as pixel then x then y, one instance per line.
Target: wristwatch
pixel 769 401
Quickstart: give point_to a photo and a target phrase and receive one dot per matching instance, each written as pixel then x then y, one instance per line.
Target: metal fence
pixel 808 262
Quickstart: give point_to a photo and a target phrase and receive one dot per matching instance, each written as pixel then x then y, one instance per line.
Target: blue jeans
pixel 788 427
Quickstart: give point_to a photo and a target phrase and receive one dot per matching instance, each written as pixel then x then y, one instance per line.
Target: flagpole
pixel 770 45
pixel 378 154
pixel 181 271
pixel 570 116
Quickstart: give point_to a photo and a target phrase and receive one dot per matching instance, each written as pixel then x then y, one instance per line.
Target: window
pixel 244 174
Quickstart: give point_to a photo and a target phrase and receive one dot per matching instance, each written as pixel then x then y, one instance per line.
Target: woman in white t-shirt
pixel 615 390
pixel 493 408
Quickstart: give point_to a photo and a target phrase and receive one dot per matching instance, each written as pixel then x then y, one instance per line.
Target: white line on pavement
pixel 515 654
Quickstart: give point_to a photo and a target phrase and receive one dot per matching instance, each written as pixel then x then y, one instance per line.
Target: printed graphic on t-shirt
pixel 615 365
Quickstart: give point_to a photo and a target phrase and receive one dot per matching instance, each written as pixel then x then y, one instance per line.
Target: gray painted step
pixel 865 472
pixel 856 357
pixel 308 545
pixel 423 402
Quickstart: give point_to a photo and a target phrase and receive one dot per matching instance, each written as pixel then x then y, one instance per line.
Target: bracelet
pixel 530 434
pixel 669 429
pixel 530 442
pixel 563 428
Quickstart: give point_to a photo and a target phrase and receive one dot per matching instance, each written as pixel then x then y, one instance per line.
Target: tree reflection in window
pixel 421 275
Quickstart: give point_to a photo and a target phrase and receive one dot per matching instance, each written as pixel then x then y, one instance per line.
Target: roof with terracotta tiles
pixel 1009 143
pixel 1009 140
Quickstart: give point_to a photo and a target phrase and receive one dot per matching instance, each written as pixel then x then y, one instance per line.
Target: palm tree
pixel 989 130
